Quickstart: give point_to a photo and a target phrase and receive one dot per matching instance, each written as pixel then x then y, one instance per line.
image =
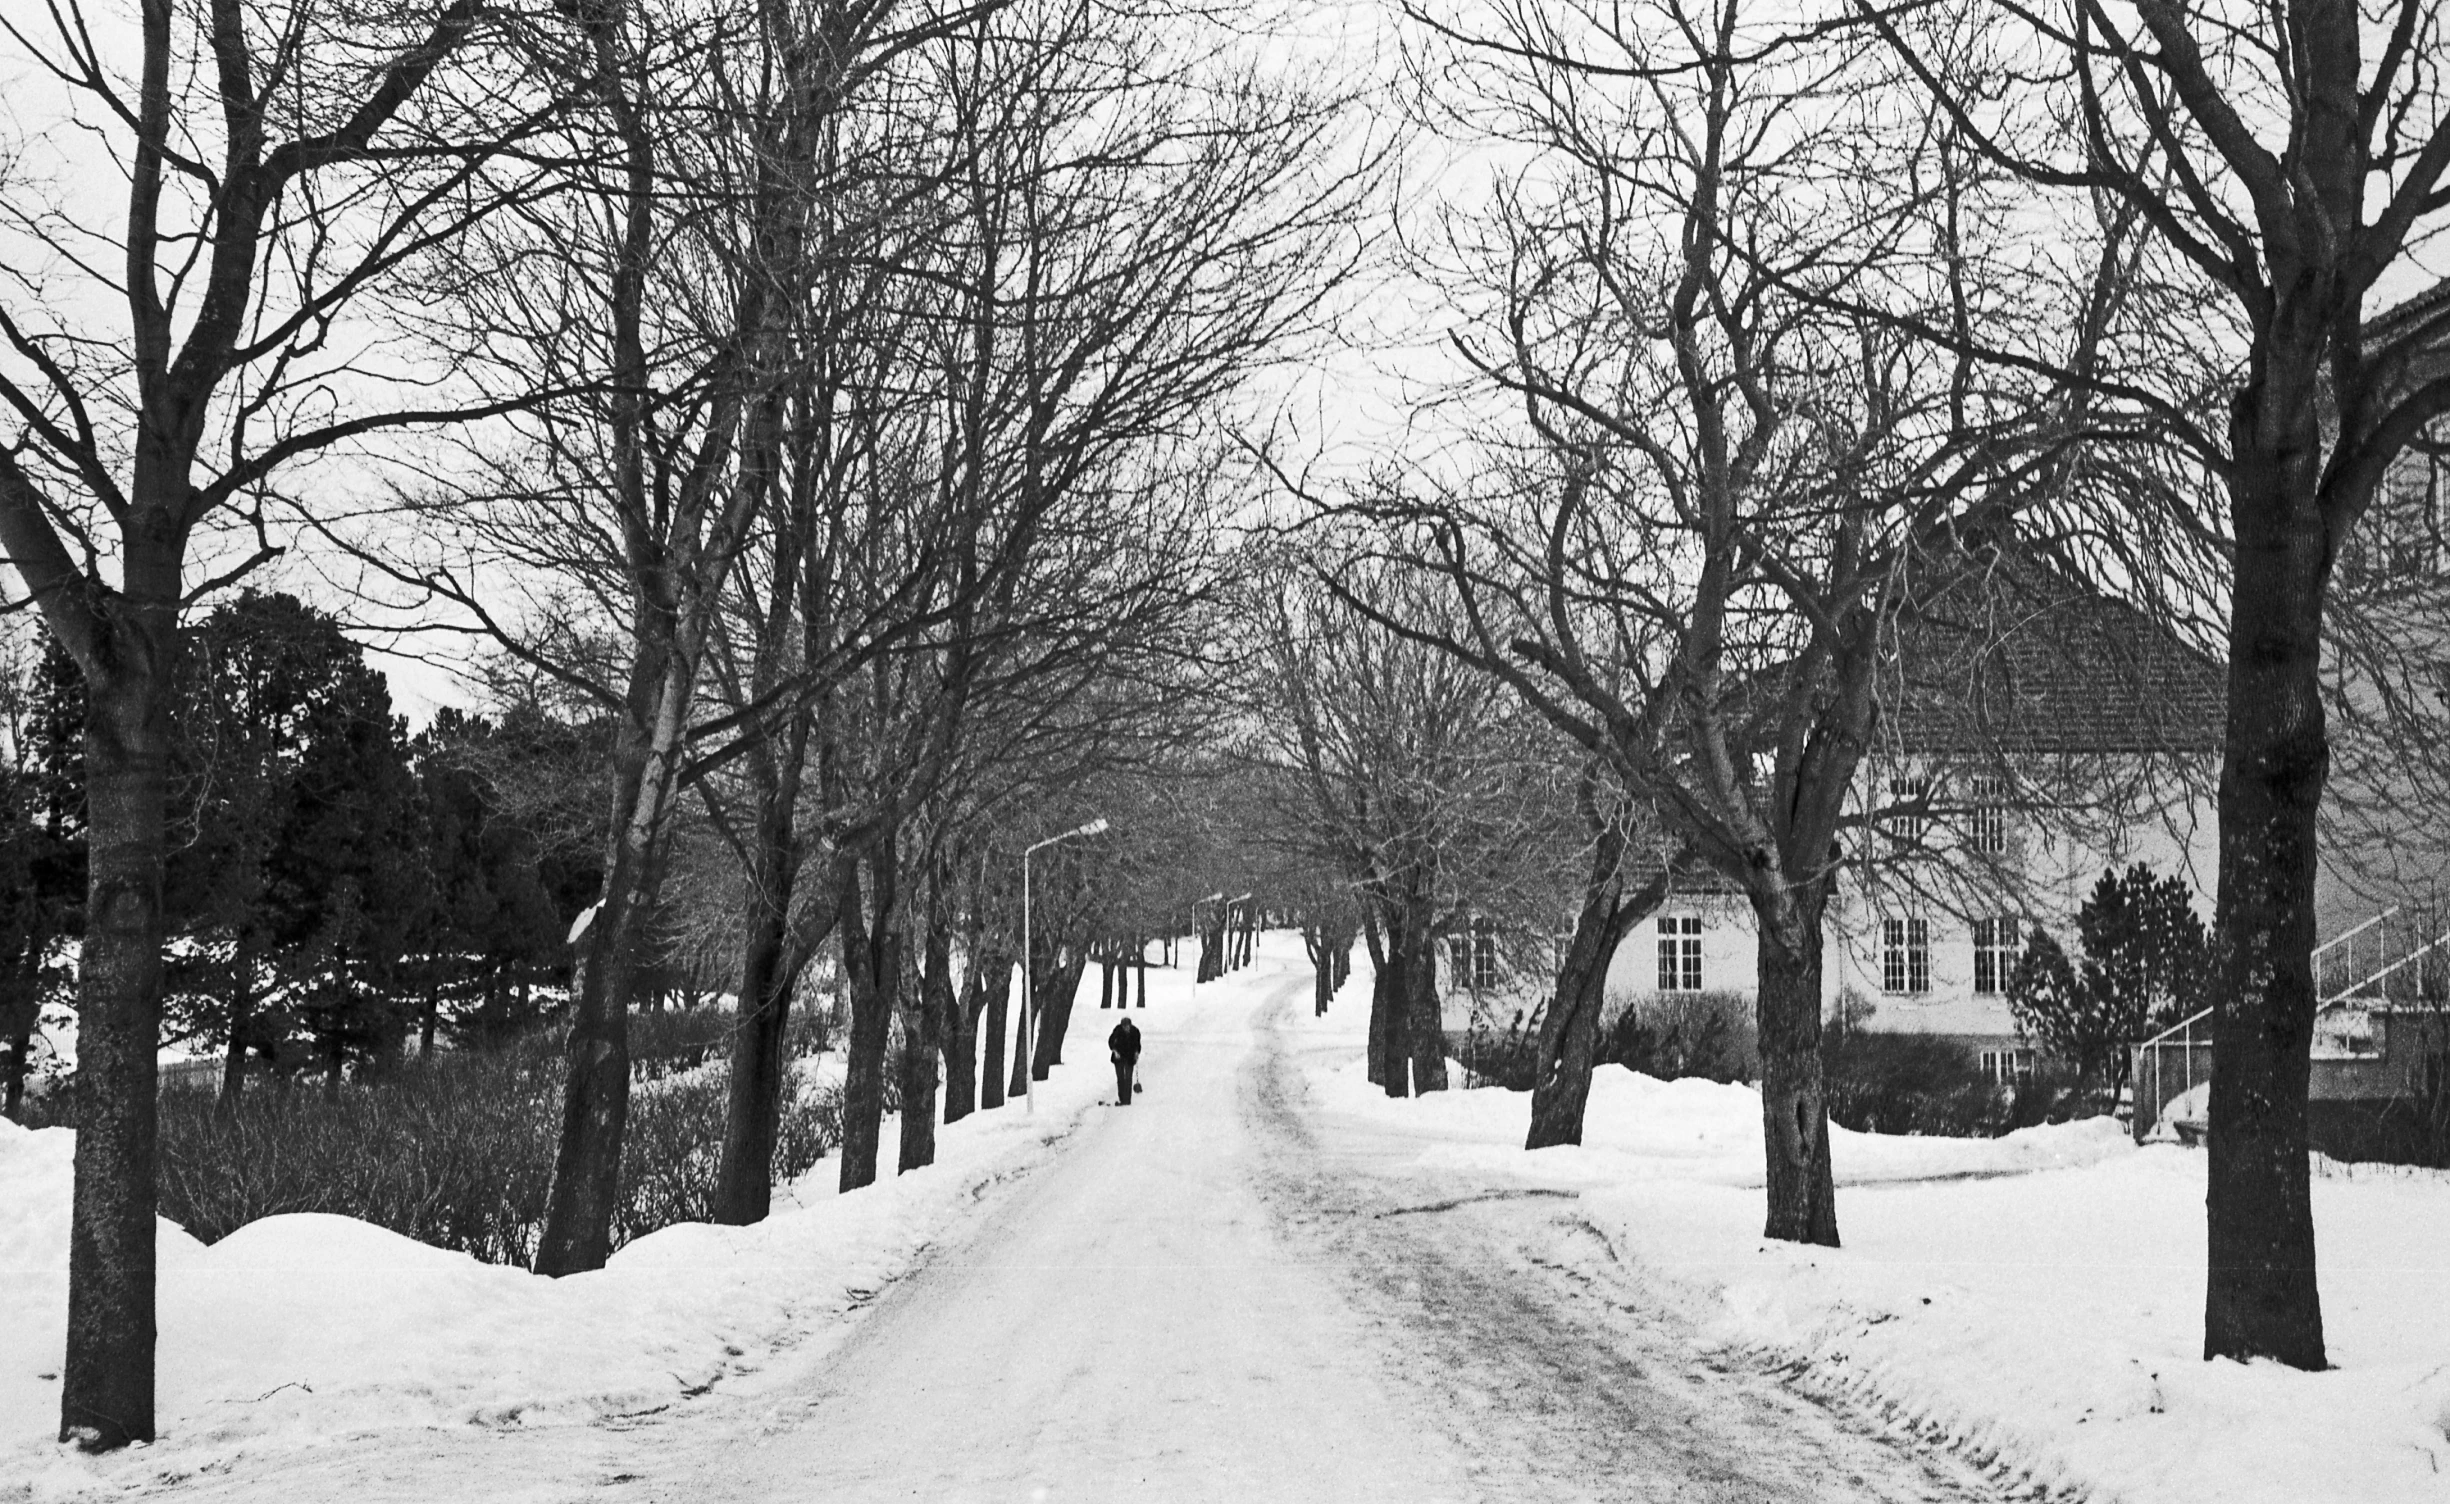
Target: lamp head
pixel 1094 827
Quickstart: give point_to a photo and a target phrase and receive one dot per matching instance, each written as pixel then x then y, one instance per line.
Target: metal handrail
pixel 2336 941
pixel 2334 999
pixel 2185 1023
pixel 2419 953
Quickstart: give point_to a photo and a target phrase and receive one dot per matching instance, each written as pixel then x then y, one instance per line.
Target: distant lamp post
pixel 1029 979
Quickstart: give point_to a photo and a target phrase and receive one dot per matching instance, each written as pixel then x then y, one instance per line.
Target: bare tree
pixel 283 163
pixel 1728 475
pixel 2293 160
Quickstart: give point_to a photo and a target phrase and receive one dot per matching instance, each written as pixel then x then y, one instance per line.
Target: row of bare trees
pixel 1778 328
pixel 831 393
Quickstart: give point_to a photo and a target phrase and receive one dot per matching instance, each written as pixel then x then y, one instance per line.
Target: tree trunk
pixel 1105 983
pixel 1794 1111
pixel 1391 1002
pixel 1569 1031
pixel 774 956
pixel 241 1021
pixel 2260 1298
pixel 996 977
pixel 106 1387
pixel 17 1020
pixel 615 974
pixel 1427 1032
pixel 925 1020
pixel 871 964
pixel 961 1081
pixel 1139 963
pixel 1377 1049
pixel 1017 1084
pixel 1056 995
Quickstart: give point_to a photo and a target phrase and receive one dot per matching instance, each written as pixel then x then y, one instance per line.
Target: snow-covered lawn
pixel 2037 1299
pixel 298 1329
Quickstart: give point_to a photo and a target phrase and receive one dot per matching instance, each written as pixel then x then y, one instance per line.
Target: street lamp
pixel 1029 980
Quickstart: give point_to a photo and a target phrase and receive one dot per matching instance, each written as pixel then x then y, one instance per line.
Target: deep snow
pixel 298 1329
pixel 2033 1301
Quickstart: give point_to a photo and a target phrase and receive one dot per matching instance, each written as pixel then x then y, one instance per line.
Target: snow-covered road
pixel 1200 1300
pixel 1206 1296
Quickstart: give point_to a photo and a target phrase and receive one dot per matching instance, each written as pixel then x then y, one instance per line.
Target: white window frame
pixel 1680 953
pixel 1995 947
pixel 1909 788
pixel 2004 1066
pixel 1905 955
pixel 1986 815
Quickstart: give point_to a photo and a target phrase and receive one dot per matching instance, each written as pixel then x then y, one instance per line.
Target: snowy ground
pixel 296 1330
pixel 1265 1281
pixel 2033 1303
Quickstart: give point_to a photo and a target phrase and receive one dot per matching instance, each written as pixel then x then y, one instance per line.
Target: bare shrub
pixel 1674 1035
pixel 456 1151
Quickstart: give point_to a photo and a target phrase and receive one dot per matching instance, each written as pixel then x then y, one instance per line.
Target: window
pixel 1680 954
pixel 1484 958
pixel 1914 792
pixel 2007 1065
pixel 1986 818
pixel 1471 959
pixel 1905 955
pixel 1994 955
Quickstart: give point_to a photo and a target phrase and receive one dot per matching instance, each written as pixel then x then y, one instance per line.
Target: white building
pixel 2038 733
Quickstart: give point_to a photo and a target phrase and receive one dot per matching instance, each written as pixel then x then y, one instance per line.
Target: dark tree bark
pixel 1057 992
pixel 1427 1023
pixel 1391 999
pixel 1569 1029
pixel 961 1039
pixel 871 964
pixel 241 1020
pixel 775 953
pixel 2261 1298
pixel 17 1019
pixel 927 1010
pixel 1139 962
pixel 1794 1110
pixel 106 1397
pixel 1377 1049
pixel 996 977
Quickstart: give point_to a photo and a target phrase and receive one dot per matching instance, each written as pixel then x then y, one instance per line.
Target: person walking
pixel 1123 1048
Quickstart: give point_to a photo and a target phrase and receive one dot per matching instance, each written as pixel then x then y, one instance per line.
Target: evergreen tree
pixel 42 845
pixel 2144 965
pixel 299 869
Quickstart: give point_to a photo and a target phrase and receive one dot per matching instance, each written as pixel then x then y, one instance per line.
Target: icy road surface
pixel 1205 1297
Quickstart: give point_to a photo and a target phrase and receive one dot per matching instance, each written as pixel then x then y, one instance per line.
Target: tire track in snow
pixel 1548 1363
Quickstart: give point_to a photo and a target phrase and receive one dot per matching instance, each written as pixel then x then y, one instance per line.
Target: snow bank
pixel 2034 1302
pixel 296 1329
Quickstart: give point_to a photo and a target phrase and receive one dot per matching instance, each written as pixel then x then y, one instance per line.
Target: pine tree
pixel 2144 965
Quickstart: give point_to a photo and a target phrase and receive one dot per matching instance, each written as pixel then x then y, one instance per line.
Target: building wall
pixel 2171 828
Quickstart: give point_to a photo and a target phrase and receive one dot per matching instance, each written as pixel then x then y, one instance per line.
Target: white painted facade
pixel 2052 861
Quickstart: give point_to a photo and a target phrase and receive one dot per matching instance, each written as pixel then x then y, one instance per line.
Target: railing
pixel 2179 1058
pixel 2187 1045
pixel 2365 986
pixel 2340 952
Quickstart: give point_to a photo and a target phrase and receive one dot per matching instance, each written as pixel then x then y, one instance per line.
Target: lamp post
pixel 1029 977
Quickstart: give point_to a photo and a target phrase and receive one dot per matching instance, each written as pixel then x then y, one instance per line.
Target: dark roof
pixel 2008 651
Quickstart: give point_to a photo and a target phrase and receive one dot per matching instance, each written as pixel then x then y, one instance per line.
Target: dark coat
pixel 1124 1043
